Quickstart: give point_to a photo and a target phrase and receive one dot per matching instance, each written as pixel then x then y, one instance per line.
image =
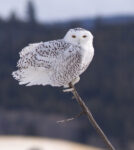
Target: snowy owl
pixel 58 62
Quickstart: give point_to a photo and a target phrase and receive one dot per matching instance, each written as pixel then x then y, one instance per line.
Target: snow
pixel 30 143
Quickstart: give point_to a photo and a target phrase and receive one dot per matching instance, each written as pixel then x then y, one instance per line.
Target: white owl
pixel 58 62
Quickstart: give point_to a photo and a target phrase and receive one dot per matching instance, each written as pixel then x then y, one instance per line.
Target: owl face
pixel 79 36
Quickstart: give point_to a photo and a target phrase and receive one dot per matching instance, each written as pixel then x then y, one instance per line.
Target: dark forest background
pixel 107 86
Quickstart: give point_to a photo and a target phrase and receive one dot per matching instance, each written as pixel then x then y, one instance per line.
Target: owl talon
pixel 68 90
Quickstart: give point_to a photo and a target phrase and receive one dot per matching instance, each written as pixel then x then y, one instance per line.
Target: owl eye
pixel 73 36
pixel 84 36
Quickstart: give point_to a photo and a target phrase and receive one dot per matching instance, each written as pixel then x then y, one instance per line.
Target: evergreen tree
pixel 31 12
pixel 13 17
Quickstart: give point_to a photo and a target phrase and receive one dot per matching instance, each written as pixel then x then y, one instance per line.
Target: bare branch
pixel 71 119
pixel 86 110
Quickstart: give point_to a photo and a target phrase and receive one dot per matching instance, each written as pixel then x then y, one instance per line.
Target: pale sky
pixel 60 10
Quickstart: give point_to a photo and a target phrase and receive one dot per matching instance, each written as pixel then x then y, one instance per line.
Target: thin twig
pixel 86 110
pixel 71 119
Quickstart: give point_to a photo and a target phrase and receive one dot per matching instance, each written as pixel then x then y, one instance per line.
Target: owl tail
pixel 32 76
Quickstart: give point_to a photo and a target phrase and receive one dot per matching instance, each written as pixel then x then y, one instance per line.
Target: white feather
pixel 32 76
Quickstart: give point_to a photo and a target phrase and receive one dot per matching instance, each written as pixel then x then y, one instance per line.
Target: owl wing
pixel 37 61
pixel 42 54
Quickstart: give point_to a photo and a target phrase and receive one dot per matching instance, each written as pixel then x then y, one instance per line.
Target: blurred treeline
pixel 107 86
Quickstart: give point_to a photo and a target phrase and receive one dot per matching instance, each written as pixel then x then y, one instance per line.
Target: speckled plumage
pixel 56 63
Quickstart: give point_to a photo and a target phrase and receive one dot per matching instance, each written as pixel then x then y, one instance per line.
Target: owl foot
pixel 76 80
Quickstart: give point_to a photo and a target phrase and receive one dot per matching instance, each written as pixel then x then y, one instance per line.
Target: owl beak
pixel 79 42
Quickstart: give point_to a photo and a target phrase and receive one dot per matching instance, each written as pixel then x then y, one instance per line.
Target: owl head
pixel 79 36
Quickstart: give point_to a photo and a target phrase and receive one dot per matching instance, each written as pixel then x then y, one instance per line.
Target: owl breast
pixel 87 56
pixel 71 67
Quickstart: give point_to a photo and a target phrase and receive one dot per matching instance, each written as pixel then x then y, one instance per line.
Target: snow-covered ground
pixel 30 143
